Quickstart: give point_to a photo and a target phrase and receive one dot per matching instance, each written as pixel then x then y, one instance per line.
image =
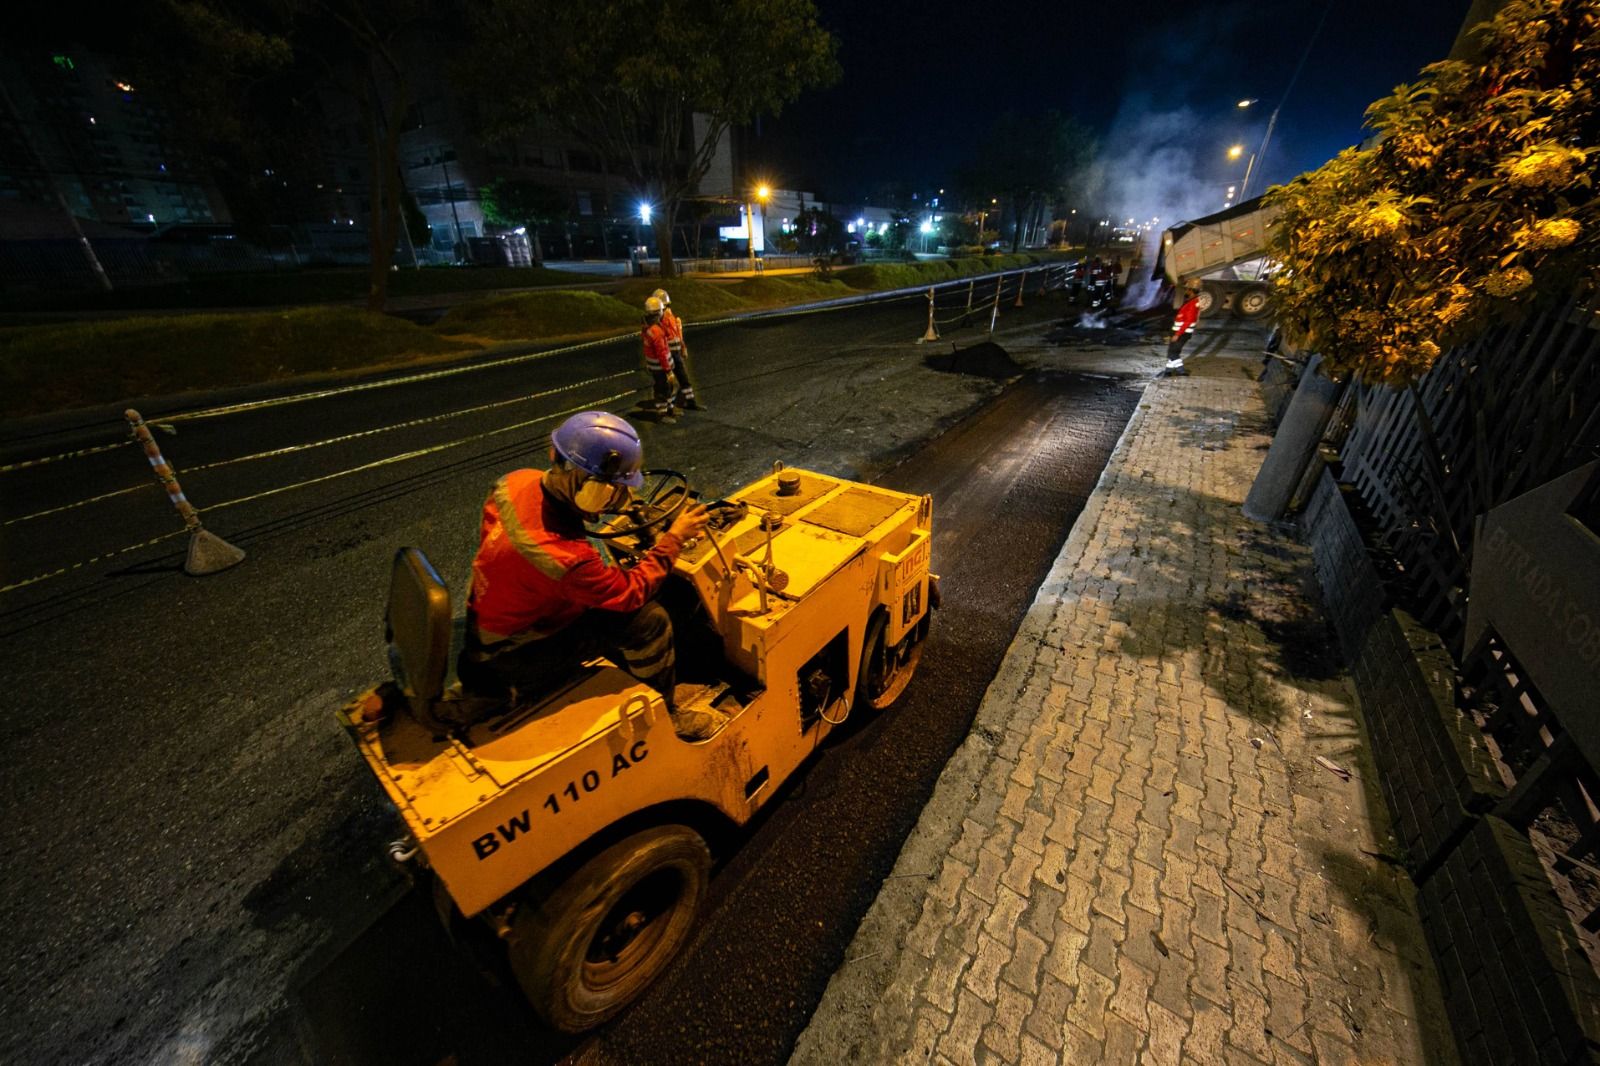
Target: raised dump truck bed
pixel 1222 253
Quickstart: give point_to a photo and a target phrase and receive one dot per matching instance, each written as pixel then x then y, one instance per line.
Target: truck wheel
pixel 1206 301
pixel 594 944
pixel 885 671
pixel 1253 302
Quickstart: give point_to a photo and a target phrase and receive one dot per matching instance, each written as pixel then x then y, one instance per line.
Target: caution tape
pixel 90 562
pixel 293 448
pixel 388 461
pixel 384 383
pixel 417 453
pixel 24 464
pixel 467 368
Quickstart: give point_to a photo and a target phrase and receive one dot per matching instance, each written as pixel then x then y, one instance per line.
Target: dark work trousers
pixel 1175 350
pixel 663 392
pixel 638 641
pixel 680 370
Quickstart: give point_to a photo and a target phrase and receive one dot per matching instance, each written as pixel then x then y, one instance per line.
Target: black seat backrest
pixel 417 627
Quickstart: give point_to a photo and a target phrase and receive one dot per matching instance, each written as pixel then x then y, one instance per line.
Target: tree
pixel 1475 200
pixel 1028 160
pixel 653 87
pixel 817 232
pixel 247 63
pixel 516 202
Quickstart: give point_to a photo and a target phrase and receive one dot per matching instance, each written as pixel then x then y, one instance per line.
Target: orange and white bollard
pixel 208 553
pixel 932 332
pixel 1022 283
pixel 994 312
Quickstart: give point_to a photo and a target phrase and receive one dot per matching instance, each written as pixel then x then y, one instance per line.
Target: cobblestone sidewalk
pixel 1148 850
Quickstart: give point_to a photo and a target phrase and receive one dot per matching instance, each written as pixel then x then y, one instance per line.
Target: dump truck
pixel 1225 255
pixel 569 837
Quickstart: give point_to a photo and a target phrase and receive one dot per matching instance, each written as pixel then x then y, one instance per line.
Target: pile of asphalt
pixel 986 360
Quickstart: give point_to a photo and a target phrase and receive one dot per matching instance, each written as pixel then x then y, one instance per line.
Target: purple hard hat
pixel 603 446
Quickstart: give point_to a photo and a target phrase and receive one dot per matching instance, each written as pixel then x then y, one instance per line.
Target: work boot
pixel 694 405
pixel 668 418
pixel 697 725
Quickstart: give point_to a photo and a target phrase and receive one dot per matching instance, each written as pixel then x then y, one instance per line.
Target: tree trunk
pixel 383 142
pixel 377 259
pixel 661 224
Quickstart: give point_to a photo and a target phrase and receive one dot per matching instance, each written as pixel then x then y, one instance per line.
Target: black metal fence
pixel 1490 421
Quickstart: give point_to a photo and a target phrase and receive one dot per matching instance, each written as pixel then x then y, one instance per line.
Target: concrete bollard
pixel 932 332
pixel 1294 445
pixel 208 553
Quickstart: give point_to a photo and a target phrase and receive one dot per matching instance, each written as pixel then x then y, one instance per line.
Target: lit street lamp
pixel 1233 155
pixel 763 194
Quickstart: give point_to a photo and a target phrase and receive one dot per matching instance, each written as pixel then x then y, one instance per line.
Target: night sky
pixel 1156 80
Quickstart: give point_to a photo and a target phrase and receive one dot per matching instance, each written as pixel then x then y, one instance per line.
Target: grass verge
pixel 50 368
pixel 290 288
pixel 55 367
pixel 538 315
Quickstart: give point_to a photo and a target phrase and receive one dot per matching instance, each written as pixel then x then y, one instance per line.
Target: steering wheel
pixel 665 493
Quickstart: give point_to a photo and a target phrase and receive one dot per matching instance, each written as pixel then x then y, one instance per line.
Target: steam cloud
pixel 1148 168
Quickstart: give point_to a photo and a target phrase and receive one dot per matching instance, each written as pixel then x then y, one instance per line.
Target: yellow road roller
pixel 573 833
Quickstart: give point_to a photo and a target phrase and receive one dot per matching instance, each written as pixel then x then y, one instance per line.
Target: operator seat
pixel 417 629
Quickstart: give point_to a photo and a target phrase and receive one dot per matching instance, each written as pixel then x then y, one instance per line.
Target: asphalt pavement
pixel 194 855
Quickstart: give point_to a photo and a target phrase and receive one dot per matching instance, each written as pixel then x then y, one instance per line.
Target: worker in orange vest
pixel 1182 327
pixel 680 354
pixel 543 601
pixel 658 358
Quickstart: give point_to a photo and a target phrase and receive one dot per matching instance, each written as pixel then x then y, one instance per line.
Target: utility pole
pixel 55 188
pixel 450 191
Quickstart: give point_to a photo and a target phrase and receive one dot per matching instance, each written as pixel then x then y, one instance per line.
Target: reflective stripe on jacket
pixel 535 571
pixel 1187 315
pixel 657 353
pixel 674 327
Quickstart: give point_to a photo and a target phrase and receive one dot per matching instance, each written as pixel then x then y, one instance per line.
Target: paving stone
pixel 1022 970
pixel 1132 997
pixel 1166 1033
pixel 960 1041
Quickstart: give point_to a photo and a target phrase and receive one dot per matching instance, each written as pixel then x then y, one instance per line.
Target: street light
pixel 1247 103
pixel 763 194
pixel 1235 152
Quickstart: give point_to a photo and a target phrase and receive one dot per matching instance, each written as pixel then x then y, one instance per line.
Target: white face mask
pixel 598 497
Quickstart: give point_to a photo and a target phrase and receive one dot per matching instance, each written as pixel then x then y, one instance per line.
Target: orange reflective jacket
pixel 535 571
pixel 657 353
pixel 674 327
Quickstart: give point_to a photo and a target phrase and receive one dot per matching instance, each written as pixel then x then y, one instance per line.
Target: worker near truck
pixel 657 347
pixel 543 601
pixel 680 354
pixel 1182 326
